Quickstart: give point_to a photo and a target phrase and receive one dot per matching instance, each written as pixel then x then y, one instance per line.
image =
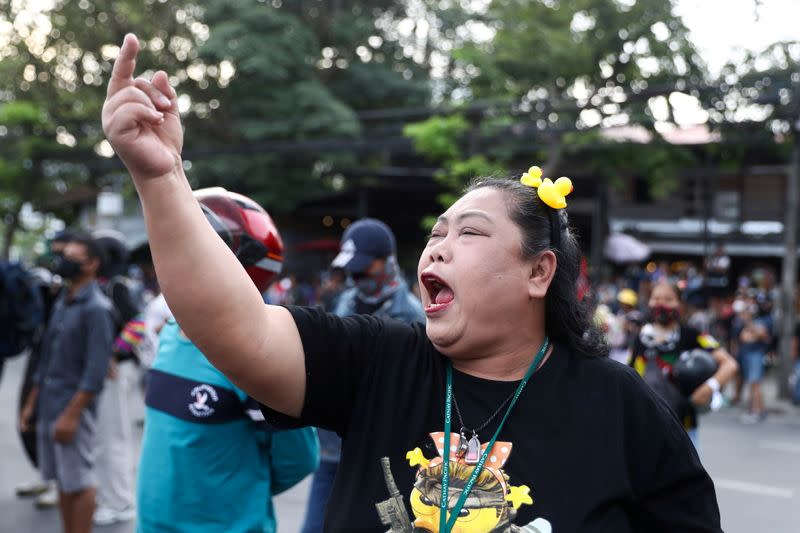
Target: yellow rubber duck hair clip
pixel 552 193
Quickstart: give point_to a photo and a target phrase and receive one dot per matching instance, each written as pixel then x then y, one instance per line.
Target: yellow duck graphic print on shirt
pixel 490 507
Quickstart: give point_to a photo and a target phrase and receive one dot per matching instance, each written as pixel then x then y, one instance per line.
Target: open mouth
pixel 440 294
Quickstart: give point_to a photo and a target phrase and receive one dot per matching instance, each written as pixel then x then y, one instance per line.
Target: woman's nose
pixel 439 253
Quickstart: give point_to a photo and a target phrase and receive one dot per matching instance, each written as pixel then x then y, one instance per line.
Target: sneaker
pixel 104 516
pixel 750 418
pixel 48 499
pixel 33 488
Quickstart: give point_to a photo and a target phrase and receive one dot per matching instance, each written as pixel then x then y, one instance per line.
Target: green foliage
pixel 542 48
pixel 301 71
pixel 53 72
pixel 759 94
pixel 249 74
pixel 21 113
pixel 438 137
pixel 658 163
pixel 562 70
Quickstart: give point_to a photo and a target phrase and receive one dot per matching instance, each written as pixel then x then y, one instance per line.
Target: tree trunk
pixel 599 231
pixel 11 226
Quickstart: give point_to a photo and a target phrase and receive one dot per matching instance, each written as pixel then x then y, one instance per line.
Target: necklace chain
pixel 497 412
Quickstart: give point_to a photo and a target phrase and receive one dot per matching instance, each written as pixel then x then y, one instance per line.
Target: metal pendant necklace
pixel 470 449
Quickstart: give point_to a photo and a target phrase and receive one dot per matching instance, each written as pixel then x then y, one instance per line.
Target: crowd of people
pixel 106 332
pixel 737 313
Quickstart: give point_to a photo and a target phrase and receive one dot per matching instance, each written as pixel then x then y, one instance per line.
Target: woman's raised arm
pixel 213 299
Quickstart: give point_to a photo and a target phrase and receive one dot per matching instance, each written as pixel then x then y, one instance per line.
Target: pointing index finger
pixel 122 73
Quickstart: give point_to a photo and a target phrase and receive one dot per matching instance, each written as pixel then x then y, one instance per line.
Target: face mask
pixel 377 286
pixel 664 315
pixel 67 268
pixel 367 285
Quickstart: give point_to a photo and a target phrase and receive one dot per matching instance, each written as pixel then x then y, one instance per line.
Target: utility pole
pixel 789 278
pixel 599 229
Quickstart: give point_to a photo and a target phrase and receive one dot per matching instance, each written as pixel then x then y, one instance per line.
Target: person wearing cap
pixel 369 258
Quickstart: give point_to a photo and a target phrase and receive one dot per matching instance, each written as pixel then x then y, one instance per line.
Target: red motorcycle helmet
pixel 247 229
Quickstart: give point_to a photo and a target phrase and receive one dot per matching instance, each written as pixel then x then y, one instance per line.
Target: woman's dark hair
pixel 567 320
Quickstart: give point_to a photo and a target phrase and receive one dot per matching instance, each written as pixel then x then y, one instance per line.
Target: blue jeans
pixel 752 366
pixel 321 485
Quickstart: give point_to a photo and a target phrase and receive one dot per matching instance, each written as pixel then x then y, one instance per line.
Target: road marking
pixel 779 446
pixel 754 488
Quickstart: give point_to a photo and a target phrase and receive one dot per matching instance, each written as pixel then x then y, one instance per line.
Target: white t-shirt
pixel 156 314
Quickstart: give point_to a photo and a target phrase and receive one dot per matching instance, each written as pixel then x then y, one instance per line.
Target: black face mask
pixel 67 268
pixel 664 315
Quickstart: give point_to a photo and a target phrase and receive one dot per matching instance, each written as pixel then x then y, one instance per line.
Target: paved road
pixel 756 470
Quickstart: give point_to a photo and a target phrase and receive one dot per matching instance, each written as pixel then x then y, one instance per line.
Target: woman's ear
pixel 543 269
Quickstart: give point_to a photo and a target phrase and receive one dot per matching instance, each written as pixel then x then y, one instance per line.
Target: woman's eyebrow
pixel 466 214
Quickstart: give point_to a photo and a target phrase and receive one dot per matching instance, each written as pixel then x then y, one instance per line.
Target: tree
pixel 548 74
pixel 301 71
pixel 274 95
pixel 251 76
pixel 26 130
pixel 757 95
pixel 53 70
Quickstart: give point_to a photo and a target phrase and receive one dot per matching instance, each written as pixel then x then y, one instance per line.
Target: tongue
pixel 444 296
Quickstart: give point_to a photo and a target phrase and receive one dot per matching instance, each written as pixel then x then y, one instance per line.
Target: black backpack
pixel 126 302
pixel 21 310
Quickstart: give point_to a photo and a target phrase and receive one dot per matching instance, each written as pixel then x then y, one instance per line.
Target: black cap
pixel 363 242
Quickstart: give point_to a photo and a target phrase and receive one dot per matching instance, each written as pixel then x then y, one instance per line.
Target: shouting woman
pixel 497 415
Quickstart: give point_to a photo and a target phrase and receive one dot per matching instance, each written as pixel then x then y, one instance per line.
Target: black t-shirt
pixel 593 446
pixel 663 355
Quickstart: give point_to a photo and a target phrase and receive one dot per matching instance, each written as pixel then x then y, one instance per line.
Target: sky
pixel 721 27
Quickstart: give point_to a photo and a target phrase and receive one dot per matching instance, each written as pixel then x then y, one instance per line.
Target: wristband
pixel 713 383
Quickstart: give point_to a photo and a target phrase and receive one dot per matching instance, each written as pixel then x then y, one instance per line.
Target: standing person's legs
pixel 754 373
pixel 77 509
pixel 757 396
pixel 738 383
pixel 321 485
pixel 65 509
pixel 115 459
pixel 70 465
pixel 74 463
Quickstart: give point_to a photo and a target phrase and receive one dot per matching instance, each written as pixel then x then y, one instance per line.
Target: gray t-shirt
pixel 76 349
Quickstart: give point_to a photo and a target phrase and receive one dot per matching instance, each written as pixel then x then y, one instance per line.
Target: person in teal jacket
pixel 211 467
pixel 209 462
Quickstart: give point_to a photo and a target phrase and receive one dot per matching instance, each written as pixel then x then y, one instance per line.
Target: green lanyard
pixel 446 525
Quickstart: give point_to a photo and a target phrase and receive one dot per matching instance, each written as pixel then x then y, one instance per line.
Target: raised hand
pixel 140 117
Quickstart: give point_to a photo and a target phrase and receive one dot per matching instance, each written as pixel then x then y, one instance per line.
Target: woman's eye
pixel 468 231
pixel 434 235
pixel 425 500
pixel 463 512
